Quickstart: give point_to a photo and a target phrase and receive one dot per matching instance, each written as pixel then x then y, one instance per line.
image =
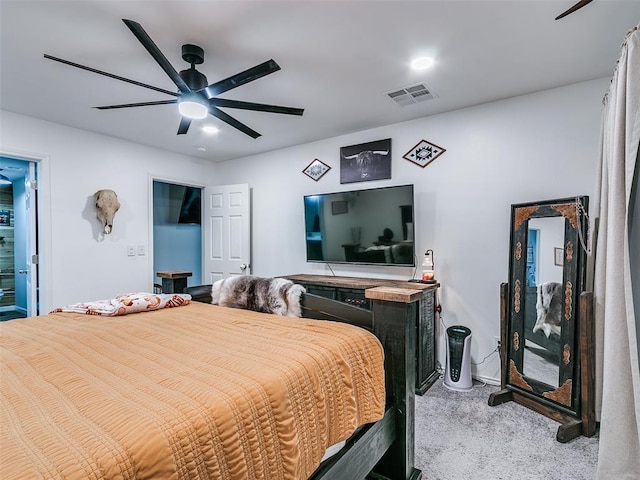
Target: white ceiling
pixel 338 59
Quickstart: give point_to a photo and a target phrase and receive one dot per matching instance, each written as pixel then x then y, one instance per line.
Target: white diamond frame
pixel 316 169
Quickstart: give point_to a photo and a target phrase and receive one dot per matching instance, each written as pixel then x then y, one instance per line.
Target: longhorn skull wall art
pixel 107 205
pixel 365 162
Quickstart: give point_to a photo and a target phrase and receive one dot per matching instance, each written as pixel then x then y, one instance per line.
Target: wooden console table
pixel 174 281
pixel 352 290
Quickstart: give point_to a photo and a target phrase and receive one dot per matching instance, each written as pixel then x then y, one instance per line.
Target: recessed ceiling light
pixel 421 63
pixel 201 149
pixel 210 129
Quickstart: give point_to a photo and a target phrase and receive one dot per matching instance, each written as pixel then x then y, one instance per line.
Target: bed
pixel 202 391
pixel 393 252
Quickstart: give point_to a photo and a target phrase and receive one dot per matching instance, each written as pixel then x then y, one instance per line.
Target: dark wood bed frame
pixel 384 449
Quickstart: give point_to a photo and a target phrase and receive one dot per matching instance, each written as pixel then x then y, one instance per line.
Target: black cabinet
pixel 351 290
pixel 426 371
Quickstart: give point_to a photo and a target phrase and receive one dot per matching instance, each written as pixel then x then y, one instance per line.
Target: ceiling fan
pixel 577 6
pixel 194 97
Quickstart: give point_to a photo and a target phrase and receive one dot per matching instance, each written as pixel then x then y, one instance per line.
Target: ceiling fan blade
pixel 185 122
pixel 157 55
pixel 110 75
pixel 140 104
pixel 260 107
pixel 232 121
pixel 577 6
pixel 241 78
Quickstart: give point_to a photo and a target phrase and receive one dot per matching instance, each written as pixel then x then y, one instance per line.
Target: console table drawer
pixel 353 297
pixel 326 292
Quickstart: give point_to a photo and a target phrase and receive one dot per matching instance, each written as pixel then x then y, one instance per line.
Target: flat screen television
pixel 191 208
pixel 372 226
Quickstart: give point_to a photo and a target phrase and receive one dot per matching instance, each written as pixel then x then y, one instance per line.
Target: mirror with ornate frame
pixel 547 347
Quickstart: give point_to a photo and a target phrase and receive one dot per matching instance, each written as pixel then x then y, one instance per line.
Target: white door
pixel 226 226
pixel 32 241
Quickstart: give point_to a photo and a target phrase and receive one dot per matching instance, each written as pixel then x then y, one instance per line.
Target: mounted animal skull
pixel 107 205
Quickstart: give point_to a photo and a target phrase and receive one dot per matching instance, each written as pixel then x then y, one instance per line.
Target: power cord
pixel 440 370
pixel 496 350
pixel 415 262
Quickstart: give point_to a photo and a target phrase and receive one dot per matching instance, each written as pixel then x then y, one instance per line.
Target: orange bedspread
pixel 195 392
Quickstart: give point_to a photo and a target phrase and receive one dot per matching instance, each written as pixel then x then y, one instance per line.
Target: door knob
pixel 244 266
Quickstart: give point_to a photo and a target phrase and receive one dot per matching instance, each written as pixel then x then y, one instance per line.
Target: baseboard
pixel 487 380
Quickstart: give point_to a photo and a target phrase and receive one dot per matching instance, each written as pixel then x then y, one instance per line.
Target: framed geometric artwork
pixel 424 153
pixel 316 169
pixel 365 162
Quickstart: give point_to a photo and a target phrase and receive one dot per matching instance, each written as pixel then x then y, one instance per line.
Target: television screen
pixel 191 209
pixel 373 226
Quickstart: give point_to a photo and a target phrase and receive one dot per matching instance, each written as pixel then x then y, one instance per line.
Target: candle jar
pixel 428 274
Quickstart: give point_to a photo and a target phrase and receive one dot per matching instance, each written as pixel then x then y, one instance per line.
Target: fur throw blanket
pixel 549 308
pixel 267 295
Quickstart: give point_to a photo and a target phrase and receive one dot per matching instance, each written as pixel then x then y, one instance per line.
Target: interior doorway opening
pixel 18 239
pixel 177 230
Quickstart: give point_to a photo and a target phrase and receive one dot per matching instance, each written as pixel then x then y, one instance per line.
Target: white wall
pixel 534 147
pixel 78 263
pixel 550 237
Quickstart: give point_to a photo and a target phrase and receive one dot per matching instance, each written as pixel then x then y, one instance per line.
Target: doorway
pixel 177 230
pixel 18 238
pixel 203 230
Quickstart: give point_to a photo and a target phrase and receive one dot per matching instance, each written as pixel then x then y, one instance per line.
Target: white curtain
pixel 617 370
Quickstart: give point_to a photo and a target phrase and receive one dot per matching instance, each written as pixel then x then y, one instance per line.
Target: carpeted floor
pixel 460 437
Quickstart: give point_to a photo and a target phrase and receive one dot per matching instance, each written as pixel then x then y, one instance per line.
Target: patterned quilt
pixel 197 392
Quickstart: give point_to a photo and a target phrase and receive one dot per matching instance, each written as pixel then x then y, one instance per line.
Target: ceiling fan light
pixel 192 109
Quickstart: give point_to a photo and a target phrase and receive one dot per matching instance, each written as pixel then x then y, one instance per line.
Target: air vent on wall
pixel 410 95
